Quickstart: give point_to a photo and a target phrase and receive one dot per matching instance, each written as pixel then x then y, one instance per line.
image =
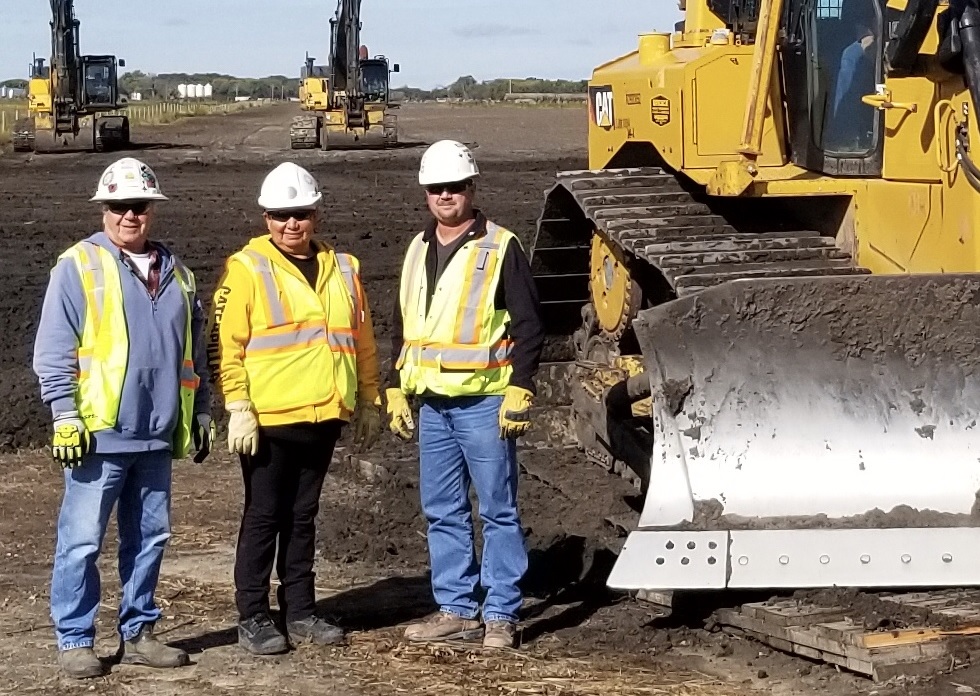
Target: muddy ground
pixel 372 560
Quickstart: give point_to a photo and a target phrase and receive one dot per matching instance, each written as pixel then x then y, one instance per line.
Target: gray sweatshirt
pixel 150 406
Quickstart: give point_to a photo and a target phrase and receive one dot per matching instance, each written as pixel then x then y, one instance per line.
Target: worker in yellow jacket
pixel 292 350
pixel 467 338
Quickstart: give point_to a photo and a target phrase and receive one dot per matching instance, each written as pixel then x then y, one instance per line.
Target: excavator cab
pixel 99 85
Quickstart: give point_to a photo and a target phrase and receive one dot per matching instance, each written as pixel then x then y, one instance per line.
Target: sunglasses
pixel 121 208
pixel 452 187
pixel 284 215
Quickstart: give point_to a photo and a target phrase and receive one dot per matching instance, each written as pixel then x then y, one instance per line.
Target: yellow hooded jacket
pixel 299 355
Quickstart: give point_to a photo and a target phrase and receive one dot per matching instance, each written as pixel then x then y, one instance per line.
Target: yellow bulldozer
pixel 766 283
pixel 72 88
pixel 346 103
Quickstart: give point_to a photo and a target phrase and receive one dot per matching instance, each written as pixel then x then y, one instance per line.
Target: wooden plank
pixel 800 615
pixel 908 636
pixel 880 662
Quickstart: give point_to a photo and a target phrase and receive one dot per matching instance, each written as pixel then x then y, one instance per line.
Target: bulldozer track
pixel 676 242
pixel 689 240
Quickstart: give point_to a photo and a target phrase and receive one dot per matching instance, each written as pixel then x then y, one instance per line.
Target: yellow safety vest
pixel 460 347
pixel 103 352
pixel 302 350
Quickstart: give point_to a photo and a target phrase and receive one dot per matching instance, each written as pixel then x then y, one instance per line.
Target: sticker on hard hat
pixel 112 188
pixel 107 178
pixel 601 106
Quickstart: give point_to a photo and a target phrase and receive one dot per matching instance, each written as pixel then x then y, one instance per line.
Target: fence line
pixel 152 113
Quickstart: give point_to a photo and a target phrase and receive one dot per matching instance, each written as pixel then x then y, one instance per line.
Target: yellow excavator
pixel 347 103
pixel 70 89
pixel 766 283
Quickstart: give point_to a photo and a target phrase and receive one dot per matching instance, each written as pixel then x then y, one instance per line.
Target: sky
pixel 434 41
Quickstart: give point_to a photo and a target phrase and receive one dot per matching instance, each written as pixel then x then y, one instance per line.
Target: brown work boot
pixel 145 649
pixel 500 634
pixel 80 663
pixel 443 626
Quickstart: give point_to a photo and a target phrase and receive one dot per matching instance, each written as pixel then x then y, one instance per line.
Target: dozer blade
pixel 804 426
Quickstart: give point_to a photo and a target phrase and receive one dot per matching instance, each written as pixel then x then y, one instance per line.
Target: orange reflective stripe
pixel 189 378
pixel 275 304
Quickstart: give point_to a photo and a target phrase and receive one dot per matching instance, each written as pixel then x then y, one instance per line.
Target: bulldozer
pixel 347 103
pixel 766 285
pixel 72 88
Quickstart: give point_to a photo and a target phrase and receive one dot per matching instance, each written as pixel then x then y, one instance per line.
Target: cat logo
pixel 601 106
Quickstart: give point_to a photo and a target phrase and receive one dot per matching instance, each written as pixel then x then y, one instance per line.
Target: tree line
pixel 227 87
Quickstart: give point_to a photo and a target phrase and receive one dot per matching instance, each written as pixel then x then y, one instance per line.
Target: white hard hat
pixel 445 162
pixel 289 187
pixel 128 179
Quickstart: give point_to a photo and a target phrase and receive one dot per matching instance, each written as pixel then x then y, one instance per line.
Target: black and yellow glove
pixel 400 414
pixel 70 441
pixel 515 413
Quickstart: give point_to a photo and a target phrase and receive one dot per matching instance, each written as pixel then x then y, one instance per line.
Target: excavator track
pixel 24 135
pixel 303 133
pixel 675 242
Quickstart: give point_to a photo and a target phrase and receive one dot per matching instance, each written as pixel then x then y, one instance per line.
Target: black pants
pixel 282 499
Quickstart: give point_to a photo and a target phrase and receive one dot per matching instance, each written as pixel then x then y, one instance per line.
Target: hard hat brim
pixel 147 197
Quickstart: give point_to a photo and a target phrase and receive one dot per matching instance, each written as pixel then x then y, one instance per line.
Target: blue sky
pixel 434 41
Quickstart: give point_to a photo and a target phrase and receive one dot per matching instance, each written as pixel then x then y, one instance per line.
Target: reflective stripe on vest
pixel 445 347
pixel 103 351
pixel 292 339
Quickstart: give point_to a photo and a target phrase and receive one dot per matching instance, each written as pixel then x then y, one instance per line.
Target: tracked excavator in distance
pixel 347 103
pixel 766 282
pixel 71 88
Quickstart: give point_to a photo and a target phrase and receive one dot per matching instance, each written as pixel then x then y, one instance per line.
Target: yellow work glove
pixel 243 428
pixel 366 423
pixel 515 413
pixel 400 413
pixel 70 441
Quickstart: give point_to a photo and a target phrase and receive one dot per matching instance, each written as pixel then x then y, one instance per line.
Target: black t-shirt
pixel 309 267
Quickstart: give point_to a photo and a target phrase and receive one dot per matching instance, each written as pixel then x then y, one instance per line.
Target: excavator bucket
pixel 811 432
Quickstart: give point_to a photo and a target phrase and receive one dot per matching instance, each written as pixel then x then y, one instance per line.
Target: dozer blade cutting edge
pixel 812 432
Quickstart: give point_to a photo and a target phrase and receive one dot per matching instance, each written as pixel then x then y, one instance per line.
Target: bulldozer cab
pixel 833 55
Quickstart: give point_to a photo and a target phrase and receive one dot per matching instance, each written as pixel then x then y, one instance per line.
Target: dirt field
pixel 372 563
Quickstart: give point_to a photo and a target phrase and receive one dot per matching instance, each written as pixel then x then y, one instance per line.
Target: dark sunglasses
pixel 453 188
pixel 121 208
pixel 284 215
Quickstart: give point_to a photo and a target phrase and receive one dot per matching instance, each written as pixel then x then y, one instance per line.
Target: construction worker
pixel 292 350
pixel 468 335
pixel 122 364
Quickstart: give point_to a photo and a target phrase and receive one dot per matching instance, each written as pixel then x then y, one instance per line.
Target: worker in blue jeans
pixel 122 366
pixel 468 337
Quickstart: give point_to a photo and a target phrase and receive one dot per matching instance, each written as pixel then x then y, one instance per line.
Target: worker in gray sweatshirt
pixel 121 360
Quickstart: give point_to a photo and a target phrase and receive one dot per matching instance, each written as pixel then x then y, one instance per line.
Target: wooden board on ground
pixel 830 635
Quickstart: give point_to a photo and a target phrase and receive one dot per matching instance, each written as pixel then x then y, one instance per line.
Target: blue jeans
pixel 140 483
pixel 459 443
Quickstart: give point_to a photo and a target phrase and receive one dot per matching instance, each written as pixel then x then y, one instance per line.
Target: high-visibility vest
pixel 302 350
pixel 103 352
pixel 459 347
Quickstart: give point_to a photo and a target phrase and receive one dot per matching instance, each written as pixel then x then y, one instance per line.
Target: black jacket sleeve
pixel 397 340
pixel 518 294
